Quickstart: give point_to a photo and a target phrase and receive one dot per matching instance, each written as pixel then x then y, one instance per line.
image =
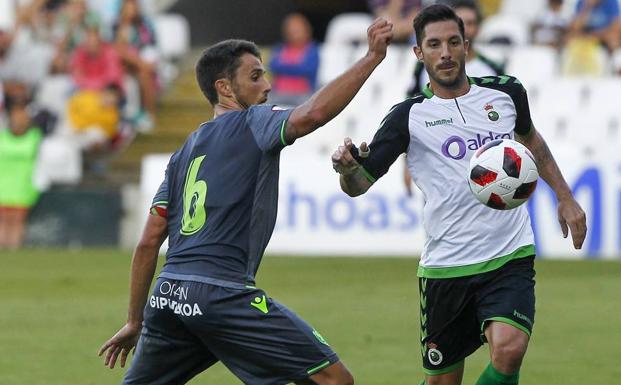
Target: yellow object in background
pixel 87 109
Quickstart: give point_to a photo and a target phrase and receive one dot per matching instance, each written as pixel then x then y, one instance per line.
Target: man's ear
pixel 418 52
pixel 224 88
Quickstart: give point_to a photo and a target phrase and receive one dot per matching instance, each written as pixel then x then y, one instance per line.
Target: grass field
pixel 57 307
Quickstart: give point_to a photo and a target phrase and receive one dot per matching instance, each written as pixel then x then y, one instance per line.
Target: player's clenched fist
pixel 343 161
pixel 379 36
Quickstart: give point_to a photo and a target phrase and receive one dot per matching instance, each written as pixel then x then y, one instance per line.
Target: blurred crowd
pixel 87 73
pixel 586 34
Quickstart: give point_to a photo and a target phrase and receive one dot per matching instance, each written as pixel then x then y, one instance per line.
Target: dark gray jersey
pixel 220 194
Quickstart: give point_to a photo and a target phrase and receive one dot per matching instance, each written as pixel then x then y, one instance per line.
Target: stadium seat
pixel 53 93
pixel 348 28
pixel 505 29
pixel 59 162
pixel 173 35
pixel 525 10
pixel 496 52
pixel 333 60
pixel 563 96
pixel 533 64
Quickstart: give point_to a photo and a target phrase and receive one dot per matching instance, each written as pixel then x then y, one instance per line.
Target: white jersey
pixel 439 136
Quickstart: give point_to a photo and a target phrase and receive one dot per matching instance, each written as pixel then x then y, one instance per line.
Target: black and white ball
pixel 502 174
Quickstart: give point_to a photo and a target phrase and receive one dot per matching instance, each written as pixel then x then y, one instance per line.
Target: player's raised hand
pixel 121 343
pixel 379 36
pixel 343 161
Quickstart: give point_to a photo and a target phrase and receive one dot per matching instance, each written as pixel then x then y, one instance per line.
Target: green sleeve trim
pixel 160 203
pixel 448 369
pixel 282 133
pixel 367 175
pixel 477 268
pixel 318 368
pixel 508 321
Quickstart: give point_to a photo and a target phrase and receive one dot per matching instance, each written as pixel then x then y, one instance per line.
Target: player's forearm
pixel 331 99
pixel 355 184
pixel 142 271
pixel 546 165
pixel 144 262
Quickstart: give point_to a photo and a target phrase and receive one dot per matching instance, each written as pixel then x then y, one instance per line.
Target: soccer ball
pixel 502 174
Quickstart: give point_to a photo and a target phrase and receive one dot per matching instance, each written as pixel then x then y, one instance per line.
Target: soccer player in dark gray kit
pixel 217 205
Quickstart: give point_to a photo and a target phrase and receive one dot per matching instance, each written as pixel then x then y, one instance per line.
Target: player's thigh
pixel 336 374
pixel 259 339
pixel 449 327
pixel 167 352
pixel 508 296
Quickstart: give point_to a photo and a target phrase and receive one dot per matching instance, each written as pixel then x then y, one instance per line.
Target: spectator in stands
pixel 599 20
pixel 550 26
pixel 19 146
pixel 135 42
pixel 295 63
pixel 94 115
pixel 401 13
pixel 74 21
pixel 476 63
pixel 95 64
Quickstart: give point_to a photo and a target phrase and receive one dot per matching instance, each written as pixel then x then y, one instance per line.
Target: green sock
pixel 491 376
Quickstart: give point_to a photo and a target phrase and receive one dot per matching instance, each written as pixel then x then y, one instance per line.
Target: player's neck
pixel 460 89
pixel 224 106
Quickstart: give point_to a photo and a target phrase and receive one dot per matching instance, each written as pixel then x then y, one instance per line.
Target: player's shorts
pixel 188 326
pixel 455 311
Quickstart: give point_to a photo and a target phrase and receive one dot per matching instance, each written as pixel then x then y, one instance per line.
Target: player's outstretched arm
pixel 570 214
pixel 352 179
pixel 144 262
pixel 331 99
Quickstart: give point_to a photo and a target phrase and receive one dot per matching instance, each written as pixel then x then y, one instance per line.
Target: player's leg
pixel 335 374
pixel 507 309
pixel 449 328
pixel 261 341
pixel 167 353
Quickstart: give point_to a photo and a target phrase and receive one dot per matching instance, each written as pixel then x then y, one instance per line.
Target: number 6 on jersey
pixel 194 194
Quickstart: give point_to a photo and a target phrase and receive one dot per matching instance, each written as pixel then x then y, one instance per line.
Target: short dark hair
pixel 219 61
pixel 432 14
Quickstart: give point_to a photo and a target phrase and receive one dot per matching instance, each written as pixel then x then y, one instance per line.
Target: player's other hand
pixel 121 343
pixel 343 161
pixel 572 218
pixel 379 36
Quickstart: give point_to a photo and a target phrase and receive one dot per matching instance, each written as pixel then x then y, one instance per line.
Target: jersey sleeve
pixel 391 140
pixel 159 205
pixel 523 120
pixel 512 87
pixel 267 124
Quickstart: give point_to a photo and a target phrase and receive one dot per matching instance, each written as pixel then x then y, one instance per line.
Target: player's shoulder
pixel 405 105
pixel 504 83
pixel 497 82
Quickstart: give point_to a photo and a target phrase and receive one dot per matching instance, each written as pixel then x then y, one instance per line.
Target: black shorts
pixel 454 311
pixel 188 326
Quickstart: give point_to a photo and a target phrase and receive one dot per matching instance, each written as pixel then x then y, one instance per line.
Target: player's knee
pixel 507 357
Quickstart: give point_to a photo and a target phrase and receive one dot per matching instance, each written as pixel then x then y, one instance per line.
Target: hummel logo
pixel 260 303
pixel 438 122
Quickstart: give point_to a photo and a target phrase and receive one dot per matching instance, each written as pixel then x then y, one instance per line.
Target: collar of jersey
pixel 429 93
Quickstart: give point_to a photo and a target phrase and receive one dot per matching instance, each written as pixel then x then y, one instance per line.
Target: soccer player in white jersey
pixel 476 274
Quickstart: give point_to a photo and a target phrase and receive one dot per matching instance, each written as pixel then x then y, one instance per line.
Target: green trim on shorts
pixel 508 321
pixel 282 133
pixel 448 369
pixel 477 268
pixel 318 368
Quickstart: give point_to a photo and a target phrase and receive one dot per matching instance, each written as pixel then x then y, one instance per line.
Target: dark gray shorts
pixel 188 326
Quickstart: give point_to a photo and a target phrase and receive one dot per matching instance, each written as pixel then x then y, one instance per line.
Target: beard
pixel 450 82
